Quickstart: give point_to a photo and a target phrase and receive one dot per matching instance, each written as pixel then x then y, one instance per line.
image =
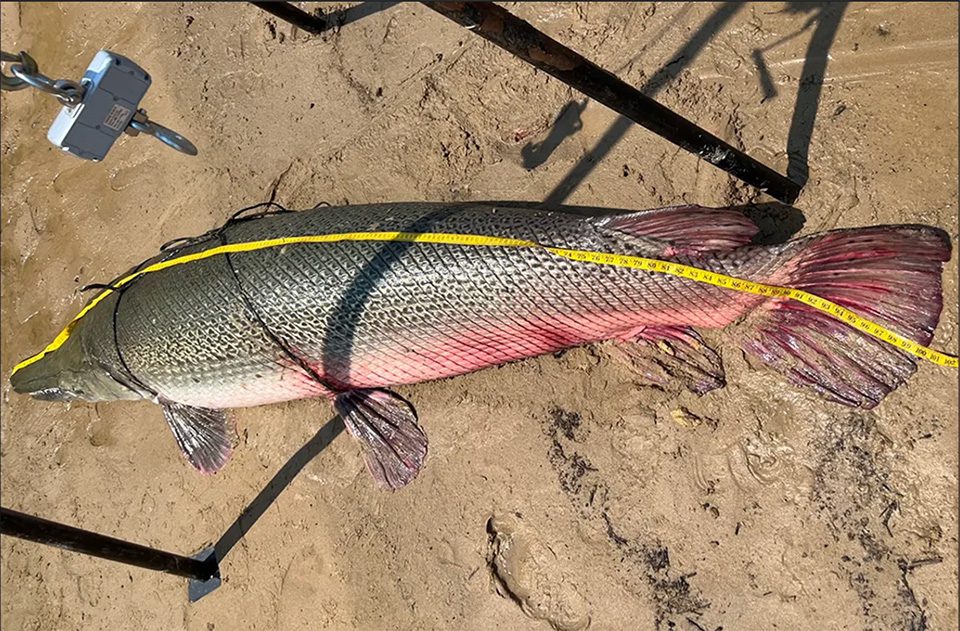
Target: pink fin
pixel 692 228
pixel 889 274
pixel 394 446
pixel 666 353
pixel 203 434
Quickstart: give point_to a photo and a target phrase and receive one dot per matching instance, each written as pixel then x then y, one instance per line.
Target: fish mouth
pixel 51 394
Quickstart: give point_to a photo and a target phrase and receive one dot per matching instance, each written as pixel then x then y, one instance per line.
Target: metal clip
pixel 14 83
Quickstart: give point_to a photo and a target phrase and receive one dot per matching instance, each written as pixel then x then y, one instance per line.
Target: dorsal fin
pixel 691 228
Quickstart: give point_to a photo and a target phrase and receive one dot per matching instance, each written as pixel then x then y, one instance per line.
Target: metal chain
pixel 13 83
pixel 26 73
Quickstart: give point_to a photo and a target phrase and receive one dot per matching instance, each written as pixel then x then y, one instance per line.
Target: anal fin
pixel 665 353
pixel 394 446
pixel 203 434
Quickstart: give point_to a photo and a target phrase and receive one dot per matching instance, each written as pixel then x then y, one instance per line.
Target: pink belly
pixel 446 354
pixel 477 347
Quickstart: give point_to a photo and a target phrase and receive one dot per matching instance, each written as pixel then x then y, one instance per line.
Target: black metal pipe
pixel 289 13
pixel 17 524
pixel 516 36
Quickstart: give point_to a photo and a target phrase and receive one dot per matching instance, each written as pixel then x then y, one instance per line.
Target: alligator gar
pixel 277 307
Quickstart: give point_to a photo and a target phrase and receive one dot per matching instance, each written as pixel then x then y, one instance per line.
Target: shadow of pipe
pixel 342 17
pixel 777 222
pixel 828 18
pixel 687 53
pixel 825 21
pixel 339 338
pixel 242 525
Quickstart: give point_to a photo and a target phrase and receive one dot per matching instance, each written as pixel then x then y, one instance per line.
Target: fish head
pixel 68 373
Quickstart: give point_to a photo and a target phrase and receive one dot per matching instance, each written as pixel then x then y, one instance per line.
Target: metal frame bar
pixel 289 13
pixel 17 524
pixel 499 26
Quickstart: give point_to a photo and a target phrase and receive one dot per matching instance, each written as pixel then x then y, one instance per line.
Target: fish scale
pixel 209 336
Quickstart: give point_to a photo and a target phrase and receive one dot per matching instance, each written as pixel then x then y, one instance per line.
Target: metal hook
pixel 140 123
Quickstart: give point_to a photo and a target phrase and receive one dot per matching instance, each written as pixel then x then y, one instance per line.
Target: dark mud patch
pixel 647 560
pixel 565 422
pixel 672 595
pixel 563 429
pixel 855 493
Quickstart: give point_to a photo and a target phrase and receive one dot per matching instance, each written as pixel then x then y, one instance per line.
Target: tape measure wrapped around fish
pixel 348 302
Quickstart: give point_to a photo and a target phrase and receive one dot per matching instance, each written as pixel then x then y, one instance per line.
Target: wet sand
pixel 557 491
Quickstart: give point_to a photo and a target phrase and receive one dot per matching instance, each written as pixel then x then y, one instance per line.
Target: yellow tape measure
pixel 600 258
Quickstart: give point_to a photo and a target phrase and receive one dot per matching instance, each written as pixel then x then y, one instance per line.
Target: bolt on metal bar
pixel 497 25
pixel 17 524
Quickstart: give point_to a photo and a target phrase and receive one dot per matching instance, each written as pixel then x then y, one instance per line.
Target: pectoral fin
pixel 202 433
pixel 394 446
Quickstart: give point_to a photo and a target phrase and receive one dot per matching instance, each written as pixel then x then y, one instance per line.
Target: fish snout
pixel 40 383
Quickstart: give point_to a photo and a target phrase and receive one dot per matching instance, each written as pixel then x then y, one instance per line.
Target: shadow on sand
pixel 825 20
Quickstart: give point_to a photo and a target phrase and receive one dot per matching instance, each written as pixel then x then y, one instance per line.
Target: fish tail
pixel 890 275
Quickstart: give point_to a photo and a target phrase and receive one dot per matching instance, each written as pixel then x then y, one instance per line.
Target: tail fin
pixel 888 274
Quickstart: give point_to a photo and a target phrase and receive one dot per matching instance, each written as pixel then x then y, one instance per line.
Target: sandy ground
pixel 557 490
